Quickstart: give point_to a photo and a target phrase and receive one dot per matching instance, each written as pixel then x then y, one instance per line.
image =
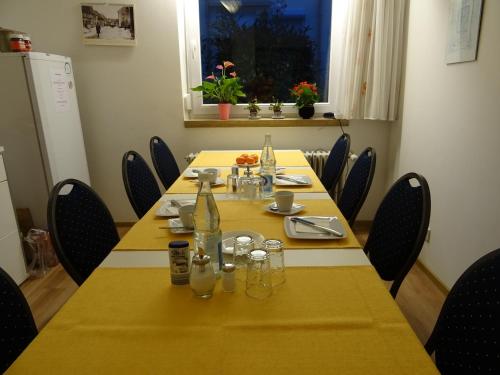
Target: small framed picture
pixel 463 30
pixel 108 24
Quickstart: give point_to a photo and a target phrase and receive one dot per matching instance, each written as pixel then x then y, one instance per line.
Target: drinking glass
pixel 277 258
pixel 243 245
pixel 259 283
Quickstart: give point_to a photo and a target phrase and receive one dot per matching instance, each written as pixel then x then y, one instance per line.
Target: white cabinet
pixel 11 253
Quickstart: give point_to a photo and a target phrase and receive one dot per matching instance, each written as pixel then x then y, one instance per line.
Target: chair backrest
pixel 466 337
pixel 399 229
pixel 17 327
pixel 336 162
pixel 81 227
pixel 358 185
pixel 140 184
pixel 163 161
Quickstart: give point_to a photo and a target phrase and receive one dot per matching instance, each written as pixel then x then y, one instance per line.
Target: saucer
pixel 177 227
pixel 273 208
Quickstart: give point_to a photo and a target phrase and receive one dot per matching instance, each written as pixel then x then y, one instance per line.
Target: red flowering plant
pixel 305 94
pixel 225 88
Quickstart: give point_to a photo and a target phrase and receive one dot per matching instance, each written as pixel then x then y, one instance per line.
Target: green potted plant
pixel 276 107
pixel 253 108
pixel 225 89
pixel 305 94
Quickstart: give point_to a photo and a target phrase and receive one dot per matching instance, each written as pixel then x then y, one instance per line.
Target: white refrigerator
pixel 40 128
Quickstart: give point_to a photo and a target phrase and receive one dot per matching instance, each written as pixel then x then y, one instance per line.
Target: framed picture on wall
pixel 108 24
pixel 463 30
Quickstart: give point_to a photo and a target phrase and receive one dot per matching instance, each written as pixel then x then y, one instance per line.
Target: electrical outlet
pixel 428 235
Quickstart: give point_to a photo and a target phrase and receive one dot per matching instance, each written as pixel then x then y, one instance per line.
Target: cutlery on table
pixel 314 225
pixel 300 182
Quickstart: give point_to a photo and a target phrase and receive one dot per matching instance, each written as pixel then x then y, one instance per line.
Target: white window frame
pixel 189 17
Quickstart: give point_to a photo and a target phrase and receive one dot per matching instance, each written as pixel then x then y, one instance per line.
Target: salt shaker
pixel 232 181
pixel 202 276
pixel 228 277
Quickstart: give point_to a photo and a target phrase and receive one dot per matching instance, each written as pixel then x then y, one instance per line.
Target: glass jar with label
pixel 16 43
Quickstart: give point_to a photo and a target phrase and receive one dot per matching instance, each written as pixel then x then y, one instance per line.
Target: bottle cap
pixel 178 244
pixel 228 267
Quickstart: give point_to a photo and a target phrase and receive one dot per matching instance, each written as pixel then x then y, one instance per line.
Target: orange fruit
pixel 255 156
pixel 241 160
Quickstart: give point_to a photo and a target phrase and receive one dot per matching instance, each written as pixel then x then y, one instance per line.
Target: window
pixel 273 43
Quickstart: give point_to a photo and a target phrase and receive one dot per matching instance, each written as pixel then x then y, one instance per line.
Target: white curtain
pixel 367 46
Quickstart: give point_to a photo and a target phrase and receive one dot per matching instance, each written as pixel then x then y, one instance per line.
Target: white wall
pixel 449 132
pixel 128 94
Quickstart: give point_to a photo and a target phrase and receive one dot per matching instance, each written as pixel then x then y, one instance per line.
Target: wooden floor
pixel 419 298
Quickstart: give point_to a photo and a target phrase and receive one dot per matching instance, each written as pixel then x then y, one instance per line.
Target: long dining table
pixel 332 315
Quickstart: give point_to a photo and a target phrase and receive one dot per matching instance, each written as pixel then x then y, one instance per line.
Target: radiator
pixel 317 160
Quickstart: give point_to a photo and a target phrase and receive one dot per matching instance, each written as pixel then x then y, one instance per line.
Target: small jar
pixel 27 43
pixel 16 43
pixel 202 276
pixel 250 186
pixel 178 254
pixel 228 277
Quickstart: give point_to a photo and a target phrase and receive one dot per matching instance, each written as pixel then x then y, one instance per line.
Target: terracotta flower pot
pixel 306 111
pixel 224 111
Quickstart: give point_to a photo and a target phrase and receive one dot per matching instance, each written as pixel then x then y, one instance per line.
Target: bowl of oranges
pixel 246 160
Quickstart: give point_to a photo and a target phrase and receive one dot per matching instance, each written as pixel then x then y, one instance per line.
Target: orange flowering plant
pixel 305 94
pixel 223 88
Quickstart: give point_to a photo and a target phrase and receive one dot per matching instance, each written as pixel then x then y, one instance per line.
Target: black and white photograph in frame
pixel 108 24
pixel 463 30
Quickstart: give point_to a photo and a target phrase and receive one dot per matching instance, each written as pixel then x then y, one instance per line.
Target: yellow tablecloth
pixel 238 215
pixel 189 185
pixel 321 321
pixel 284 158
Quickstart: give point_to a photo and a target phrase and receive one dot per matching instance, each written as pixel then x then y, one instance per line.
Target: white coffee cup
pixel 186 215
pixel 284 200
pixel 213 172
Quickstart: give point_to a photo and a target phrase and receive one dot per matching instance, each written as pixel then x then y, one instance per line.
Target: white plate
pixel 218 182
pixel 248 165
pixel 190 172
pixel 177 227
pixel 333 222
pixel 301 177
pixel 228 239
pixel 296 208
pixel 167 210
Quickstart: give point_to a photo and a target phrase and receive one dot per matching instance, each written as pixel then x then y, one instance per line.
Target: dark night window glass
pixel 273 43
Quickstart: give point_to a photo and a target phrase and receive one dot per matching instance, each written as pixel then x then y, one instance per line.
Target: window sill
pixel 263 122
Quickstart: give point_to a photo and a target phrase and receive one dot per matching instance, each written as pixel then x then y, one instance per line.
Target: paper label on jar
pixel 179 265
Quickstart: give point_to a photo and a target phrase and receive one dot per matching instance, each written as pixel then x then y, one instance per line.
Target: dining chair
pixel 399 229
pixel 140 183
pixel 466 337
pixel 357 185
pixel 17 328
pixel 335 163
pixel 163 161
pixel 82 229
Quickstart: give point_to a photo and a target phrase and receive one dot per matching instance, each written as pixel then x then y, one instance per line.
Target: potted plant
pixel 276 106
pixel 225 89
pixel 305 94
pixel 253 108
